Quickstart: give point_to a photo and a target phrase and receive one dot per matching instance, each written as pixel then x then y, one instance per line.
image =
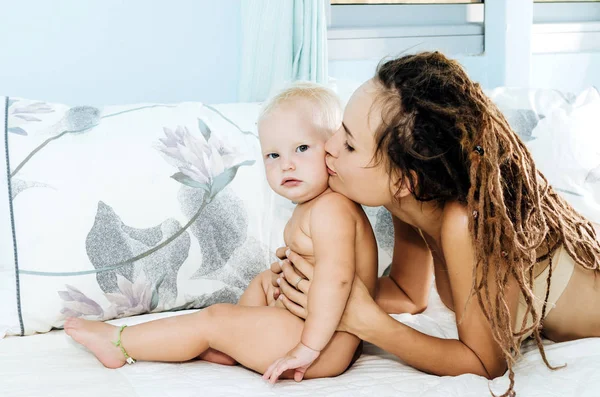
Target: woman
pixel 510 257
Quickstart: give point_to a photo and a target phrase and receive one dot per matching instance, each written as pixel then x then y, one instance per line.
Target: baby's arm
pixel 333 230
pixel 333 233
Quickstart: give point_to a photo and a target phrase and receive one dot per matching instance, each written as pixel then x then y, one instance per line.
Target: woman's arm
pixel 475 351
pixel 406 289
pixel 365 319
pixel 442 357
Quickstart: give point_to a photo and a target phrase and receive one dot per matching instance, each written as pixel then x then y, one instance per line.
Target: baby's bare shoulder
pixel 335 203
pixel 336 210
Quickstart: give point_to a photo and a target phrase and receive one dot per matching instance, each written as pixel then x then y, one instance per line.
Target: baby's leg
pixel 253 336
pixel 255 295
pixel 257 336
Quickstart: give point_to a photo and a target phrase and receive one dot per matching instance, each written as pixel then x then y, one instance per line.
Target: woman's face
pixel 350 152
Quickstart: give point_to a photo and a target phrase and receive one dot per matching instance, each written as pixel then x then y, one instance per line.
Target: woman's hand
pixel 359 307
pixel 293 287
pixel 276 271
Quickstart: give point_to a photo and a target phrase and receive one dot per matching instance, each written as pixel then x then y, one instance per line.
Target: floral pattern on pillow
pixel 206 252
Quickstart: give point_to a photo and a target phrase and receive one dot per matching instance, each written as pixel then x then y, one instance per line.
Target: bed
pixel 51 365
pixel 53 261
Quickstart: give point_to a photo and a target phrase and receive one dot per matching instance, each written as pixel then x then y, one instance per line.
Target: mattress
pixel 52 365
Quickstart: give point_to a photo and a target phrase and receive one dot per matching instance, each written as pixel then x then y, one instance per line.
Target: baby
pixel 326 228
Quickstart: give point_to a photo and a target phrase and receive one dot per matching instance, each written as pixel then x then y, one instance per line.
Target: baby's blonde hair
pixel 326 102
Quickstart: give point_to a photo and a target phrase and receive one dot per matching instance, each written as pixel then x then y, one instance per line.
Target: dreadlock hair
pixel 449 142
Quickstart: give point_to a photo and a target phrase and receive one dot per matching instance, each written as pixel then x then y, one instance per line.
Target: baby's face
pixel 293 151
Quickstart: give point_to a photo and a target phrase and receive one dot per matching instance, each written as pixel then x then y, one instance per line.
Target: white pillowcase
pixel 560 130
pixel 566 148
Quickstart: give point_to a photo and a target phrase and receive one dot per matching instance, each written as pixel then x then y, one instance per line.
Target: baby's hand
pixel 299 358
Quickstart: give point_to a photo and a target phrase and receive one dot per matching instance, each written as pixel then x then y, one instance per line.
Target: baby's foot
pixel 97 337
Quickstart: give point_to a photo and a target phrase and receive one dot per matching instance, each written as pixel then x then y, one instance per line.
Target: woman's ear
pixel 400 184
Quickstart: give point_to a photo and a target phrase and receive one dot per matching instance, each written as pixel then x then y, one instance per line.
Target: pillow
pixel 145 208
pixel 127 210
pixel 8 295
pixel 525 107
pixel 566 148
pixel 560 130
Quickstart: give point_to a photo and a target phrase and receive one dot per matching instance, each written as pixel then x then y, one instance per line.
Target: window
pixel 444 1
pixel 565 26
pixel 405 1
pixel 565 1
pixel 372 29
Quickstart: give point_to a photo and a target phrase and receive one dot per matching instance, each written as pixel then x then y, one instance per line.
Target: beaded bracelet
pixel 128 358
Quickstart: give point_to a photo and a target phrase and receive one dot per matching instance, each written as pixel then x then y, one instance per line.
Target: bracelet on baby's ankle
pixel 128 358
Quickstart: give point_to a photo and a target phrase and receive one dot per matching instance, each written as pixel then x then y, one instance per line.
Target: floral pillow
pixel 126 210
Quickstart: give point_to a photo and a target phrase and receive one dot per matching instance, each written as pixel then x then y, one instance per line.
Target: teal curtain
pixel 282 41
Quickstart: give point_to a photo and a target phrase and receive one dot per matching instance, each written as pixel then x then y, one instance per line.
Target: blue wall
pixel 120 51
pixel 125 51
pixel 567 72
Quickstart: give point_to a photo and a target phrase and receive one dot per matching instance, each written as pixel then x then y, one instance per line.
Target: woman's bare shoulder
pixel 455 224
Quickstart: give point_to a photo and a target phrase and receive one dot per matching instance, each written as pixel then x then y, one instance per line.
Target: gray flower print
pixel 131 299
pixel 203 164
pixel 134 298
pixel 19 116
pixel 593 176
pixel 158 252
pixel 76 304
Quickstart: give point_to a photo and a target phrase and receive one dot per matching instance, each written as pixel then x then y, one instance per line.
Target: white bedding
pixel 52 365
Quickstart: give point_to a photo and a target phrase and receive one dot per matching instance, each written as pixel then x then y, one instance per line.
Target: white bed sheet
pixel 52 365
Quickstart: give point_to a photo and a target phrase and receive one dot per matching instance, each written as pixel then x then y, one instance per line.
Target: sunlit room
pixel 300 198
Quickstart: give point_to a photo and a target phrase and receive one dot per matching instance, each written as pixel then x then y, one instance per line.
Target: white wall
pixel 120 51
